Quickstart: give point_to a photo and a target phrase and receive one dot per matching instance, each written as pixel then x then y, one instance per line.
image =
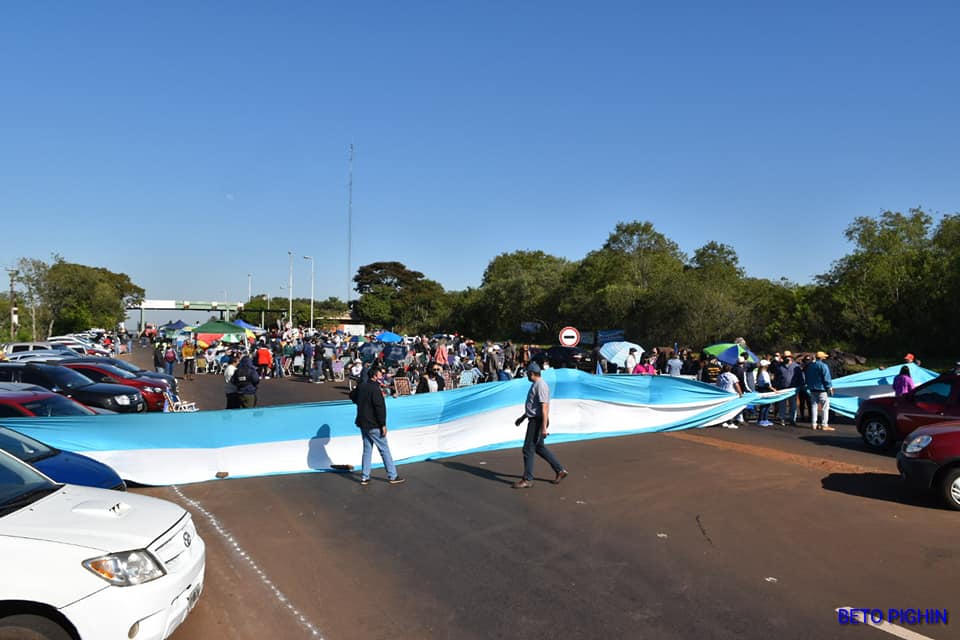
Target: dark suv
pixel 561 357
pixel 74 385
pixel 884 421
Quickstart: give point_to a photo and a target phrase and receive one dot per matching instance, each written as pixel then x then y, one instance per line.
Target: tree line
pixel 894 290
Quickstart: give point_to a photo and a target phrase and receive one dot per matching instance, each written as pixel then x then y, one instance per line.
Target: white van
pixel 90 563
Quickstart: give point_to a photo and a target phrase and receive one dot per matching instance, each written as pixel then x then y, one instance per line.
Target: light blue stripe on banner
pixel 213 429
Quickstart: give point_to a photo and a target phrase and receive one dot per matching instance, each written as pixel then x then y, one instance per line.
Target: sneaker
pixel 522 484
pixel 827 427
pixel 732 426
pixel 563 473
pixel 397 480
pixel 364 482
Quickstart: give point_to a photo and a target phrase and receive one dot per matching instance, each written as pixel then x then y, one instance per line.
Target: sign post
pixel 569 337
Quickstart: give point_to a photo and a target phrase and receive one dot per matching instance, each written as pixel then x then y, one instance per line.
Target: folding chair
pixel 466 379
pixel 178 406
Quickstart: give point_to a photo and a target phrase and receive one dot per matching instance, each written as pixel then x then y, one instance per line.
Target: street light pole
pixel 249 287
pixel 312 271
pixel 290 291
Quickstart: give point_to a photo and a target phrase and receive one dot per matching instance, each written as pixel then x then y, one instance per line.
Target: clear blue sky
pixel 188 144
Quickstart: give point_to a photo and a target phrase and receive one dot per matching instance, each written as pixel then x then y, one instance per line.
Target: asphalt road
pixel 753 533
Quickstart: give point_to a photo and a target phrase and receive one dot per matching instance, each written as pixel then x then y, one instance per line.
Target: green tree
pixel 79 297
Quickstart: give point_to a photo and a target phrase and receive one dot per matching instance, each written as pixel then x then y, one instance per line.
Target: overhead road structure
pixel 225 309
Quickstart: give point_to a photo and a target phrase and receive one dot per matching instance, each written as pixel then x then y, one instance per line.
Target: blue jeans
pixel 372 437
pixel 169 367
pixel 788 408
pixel 533 444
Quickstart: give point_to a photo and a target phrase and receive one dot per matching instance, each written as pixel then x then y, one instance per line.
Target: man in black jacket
pixel 372 420
pixel 246 379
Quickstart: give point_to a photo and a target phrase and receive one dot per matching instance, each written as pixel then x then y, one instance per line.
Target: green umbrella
pixel 717 349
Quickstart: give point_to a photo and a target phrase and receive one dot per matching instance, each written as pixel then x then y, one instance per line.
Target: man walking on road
pixel 820 388
pixel 372 420
pixel 537 414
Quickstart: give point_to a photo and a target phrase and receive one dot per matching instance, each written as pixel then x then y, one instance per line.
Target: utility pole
pixel 350 227
pixel 290 290
pixel 14 319
pixel 312 271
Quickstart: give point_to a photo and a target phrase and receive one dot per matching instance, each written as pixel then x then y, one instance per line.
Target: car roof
pixel 31 393
pixel 20 387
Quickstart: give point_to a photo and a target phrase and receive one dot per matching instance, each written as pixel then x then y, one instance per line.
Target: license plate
pixel 193 596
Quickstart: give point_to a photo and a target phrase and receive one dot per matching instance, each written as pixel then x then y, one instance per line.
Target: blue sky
pixel 188 144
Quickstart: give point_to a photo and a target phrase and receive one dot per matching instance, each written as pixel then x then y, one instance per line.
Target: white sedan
pixel 91 563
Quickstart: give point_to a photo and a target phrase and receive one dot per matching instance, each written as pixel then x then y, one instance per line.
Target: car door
pixel 928 404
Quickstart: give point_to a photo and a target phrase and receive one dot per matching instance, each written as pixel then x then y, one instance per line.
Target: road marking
pixel 892 629
pixel 243 555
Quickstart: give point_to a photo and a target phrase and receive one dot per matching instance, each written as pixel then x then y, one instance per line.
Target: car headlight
pixel 154 389
pixel 122 400
pixel 918 444
pixel 126 568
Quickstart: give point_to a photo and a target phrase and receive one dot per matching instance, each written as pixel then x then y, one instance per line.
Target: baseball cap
pixel 764 363
pixel 533 367
pixel 908 357
pixel 787 353
pixel 821 355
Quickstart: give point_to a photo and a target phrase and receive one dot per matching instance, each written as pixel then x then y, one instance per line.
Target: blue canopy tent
pixel 250 327
pixel 389 336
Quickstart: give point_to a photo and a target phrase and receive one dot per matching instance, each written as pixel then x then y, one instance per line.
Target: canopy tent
pixel 617 352
pixel 174 326
pixel 389 336
pixel 240 322
pixel 874 383
pixel 220 330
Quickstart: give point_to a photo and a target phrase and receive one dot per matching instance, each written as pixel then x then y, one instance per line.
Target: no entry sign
pixel 569 336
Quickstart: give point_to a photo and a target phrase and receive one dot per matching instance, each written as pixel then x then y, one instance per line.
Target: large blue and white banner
pixel 850 390
pixel 169 448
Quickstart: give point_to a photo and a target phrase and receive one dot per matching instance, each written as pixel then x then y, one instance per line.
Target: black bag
pixel 353 394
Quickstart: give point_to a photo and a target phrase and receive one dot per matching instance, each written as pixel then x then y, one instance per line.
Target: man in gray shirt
pixel 536 412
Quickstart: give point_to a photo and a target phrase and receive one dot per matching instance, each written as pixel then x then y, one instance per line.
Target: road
pixel 753 533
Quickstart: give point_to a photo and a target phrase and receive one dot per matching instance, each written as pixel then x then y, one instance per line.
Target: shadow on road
pixel 851 443
pixel 876 486
pixel 480 472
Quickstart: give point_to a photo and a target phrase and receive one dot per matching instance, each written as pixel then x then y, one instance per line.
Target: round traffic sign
pixel 569 336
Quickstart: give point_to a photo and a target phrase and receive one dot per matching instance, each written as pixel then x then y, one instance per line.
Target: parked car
pixel 40 354
pixel 82 563
pixel 74 385
pixel 153 390
pixel 33 400
pixel 127 366
pixel 21 347
pixel 81 345
pixel 930 460
pixel 884 421
pixel 565 358
pixel 61 466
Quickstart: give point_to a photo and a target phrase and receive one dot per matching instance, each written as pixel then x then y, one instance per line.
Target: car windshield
pixel 126 366
pixel 56 406
pixel 116 372
pixel 68 378
pixel 20 484
pixel 23 447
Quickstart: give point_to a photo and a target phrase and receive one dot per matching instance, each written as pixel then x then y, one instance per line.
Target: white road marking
pixel 243 555
pixel 892 629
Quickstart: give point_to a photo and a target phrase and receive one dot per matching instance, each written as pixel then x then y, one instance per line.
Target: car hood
pixel 937 429
pixel 107 521
pixel 105 388
pixel 73 468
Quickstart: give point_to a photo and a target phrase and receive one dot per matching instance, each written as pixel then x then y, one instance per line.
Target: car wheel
pixel 951 489
pixel 876 432
pixel 31 627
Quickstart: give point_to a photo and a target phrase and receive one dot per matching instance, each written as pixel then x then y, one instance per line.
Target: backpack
pixel 240 378
pixel 170 355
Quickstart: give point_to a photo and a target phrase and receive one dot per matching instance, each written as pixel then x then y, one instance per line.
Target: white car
pixel 89 563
